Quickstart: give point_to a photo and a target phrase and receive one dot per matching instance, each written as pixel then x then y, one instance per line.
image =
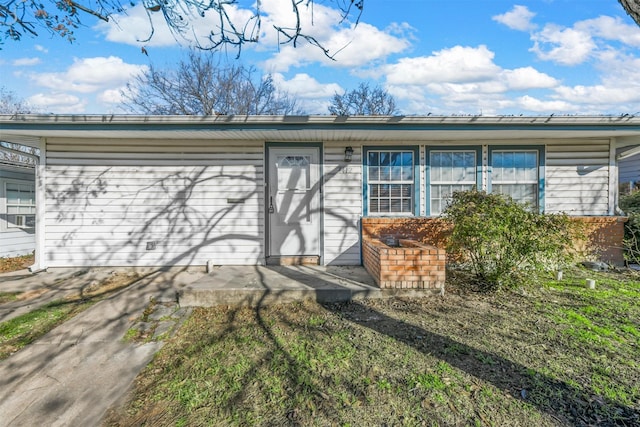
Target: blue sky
pixel 439 57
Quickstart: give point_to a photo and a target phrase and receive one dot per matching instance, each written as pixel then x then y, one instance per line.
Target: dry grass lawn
pixel 553 354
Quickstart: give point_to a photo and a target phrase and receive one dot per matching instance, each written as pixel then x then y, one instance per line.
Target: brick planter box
pixel 411 265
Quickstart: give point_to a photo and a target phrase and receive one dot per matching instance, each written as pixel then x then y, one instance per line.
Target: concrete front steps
pixel 255 286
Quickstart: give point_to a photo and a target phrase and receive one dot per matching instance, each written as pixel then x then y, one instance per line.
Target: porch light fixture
pixel 348 153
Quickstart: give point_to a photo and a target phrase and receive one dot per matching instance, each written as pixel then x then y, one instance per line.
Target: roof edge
pixel 239 120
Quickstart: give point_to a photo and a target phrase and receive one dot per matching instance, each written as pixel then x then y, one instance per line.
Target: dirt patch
pixel 16 263
pixel 113 282
pixel 31 294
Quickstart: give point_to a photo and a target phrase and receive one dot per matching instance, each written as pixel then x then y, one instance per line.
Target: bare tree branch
pixel 62 17
pixel 363 101
pixel 200 85
pixel 632 7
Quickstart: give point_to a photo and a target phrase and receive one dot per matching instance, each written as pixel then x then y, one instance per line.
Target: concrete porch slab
pixel 263 285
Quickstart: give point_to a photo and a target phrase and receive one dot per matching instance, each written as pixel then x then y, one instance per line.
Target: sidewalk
pixel 72 375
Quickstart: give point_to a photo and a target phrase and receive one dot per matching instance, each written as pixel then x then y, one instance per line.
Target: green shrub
pixel 630 204
pixel 504 242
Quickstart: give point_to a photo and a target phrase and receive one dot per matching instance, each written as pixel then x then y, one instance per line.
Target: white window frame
pixel 473 181
pixel 6 205
pixel 414 183
pixel 539 168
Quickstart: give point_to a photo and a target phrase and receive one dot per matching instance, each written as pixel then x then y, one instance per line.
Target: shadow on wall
pixel 430 231
pixel 160 215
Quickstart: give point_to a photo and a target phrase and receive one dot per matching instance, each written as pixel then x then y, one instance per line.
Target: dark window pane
pixel 407 158
pixel 385 173
pixel 384 158
pixel 396 159
pixel 374 173
pixel 373 206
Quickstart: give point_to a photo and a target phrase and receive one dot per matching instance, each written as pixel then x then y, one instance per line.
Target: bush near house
pixel 630 204
pixel 505 243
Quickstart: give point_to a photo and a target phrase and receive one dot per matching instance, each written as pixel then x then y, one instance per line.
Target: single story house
pixel 17 209
pixel 186 190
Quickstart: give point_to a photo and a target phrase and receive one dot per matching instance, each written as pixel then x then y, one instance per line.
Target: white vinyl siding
pixel 577 177
pixel 107 208
pixel 342 191
pixel 17 242
pixel 201 200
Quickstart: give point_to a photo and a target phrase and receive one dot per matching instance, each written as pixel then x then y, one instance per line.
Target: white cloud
pixel 566 46
pixel 351 45
pixel 529 103
pixel 518 18
pixel 135 27
pixel 99 79
pixel 26 62
pixel 138 27
pixel 351 48
pixel 111 96
pixel 60 103
pixel 311 96
pixel 458 64
pixel 41 48
pixel 89 75
pixel 583 41
pixel 609 28
pixel 460 80
pixel 527 78
pixel 618 88
pixel 304 86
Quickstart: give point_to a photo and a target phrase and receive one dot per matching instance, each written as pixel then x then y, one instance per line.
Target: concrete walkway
pixel 72 375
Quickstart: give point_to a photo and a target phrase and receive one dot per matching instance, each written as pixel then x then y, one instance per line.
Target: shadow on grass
pixel 567 404
pixel 562 401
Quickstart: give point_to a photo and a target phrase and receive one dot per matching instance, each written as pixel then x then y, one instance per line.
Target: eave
pixel 29 129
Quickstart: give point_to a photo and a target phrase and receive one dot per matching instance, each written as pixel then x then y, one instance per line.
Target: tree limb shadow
pixel 567 403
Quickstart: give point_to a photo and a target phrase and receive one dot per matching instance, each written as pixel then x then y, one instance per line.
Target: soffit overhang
pixel 29 129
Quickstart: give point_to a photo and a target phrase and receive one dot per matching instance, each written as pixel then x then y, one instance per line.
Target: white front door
pixel 293 201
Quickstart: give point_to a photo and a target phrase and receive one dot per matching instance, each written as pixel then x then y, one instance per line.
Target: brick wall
pixel 605 236
pixel 604 233
pixel 413 265
pixel 430 231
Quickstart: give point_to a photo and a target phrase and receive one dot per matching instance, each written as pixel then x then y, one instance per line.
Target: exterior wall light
pixel 348 153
